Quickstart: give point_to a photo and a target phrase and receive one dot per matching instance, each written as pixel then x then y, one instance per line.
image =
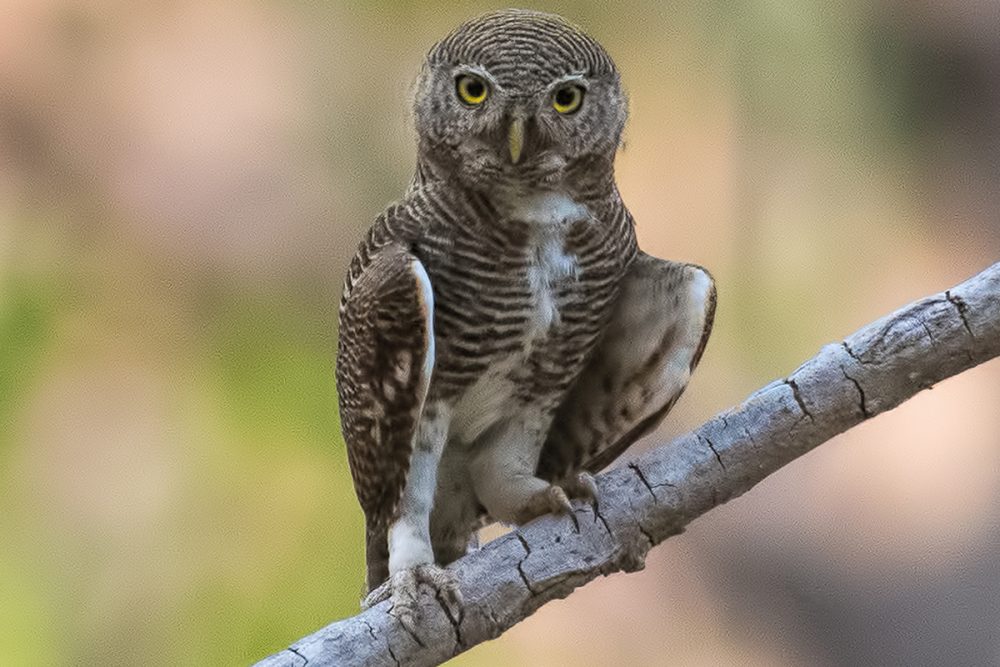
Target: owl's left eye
pixel 472 90
pixel 568 99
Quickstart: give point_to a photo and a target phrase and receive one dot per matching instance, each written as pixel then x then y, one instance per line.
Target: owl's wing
pixel 385 358
pixel 655 338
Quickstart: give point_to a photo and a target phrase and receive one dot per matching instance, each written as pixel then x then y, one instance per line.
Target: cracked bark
pixel 659 493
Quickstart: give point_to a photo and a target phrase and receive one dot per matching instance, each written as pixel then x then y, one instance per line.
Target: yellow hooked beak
pixel 515 139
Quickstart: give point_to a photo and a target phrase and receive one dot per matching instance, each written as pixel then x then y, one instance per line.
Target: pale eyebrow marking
pixel 579 77
pixel 478 71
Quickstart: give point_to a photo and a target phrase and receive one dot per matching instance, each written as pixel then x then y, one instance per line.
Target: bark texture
pixel 658 494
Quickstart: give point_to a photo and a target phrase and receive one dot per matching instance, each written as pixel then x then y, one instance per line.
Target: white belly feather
pixel 548 214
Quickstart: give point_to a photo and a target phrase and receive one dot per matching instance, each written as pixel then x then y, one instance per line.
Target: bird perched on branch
pixel 501 335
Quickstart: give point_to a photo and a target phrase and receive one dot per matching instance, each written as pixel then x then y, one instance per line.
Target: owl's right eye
pixel 472 90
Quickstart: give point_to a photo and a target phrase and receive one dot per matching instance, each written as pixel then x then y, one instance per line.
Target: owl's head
pixel 516 100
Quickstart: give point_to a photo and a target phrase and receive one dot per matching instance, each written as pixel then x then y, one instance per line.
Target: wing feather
pixel 385 358
pixel 656 336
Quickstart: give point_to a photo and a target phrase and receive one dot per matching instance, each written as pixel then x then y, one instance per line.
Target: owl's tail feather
pixel 376 555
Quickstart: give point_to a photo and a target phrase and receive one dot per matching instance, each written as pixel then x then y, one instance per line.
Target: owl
pixel 501 335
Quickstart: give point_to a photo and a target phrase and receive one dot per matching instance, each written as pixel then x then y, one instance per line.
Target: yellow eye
pixel 568 99
pixel 471 89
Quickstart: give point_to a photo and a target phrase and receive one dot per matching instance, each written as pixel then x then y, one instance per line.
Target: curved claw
pixel 377 595
pixel 586 487
pixel 403 589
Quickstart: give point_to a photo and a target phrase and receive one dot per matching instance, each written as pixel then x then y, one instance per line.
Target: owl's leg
pixel 456 514
pixel 411 556
pixel 503 474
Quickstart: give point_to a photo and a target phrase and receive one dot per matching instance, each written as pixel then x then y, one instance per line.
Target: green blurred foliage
pixel 27 310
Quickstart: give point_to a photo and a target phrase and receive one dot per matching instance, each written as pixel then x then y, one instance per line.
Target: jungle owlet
pixel 501 335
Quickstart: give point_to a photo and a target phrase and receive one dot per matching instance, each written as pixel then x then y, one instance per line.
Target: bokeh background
pixel 182 184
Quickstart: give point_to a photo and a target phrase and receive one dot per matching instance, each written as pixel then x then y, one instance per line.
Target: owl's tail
pixel 376 555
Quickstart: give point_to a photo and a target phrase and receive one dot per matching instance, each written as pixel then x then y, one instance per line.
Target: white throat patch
pixel 548 208
pixel 549 214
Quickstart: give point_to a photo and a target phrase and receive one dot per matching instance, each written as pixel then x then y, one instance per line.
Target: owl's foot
pixel 403 588
pixel 550 500
pixel 555 498
pixel 583 486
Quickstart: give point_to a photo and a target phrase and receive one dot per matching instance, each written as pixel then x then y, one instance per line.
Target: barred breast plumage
pixel 500 333
pixel 510 287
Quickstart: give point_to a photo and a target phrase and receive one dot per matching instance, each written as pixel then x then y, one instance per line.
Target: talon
pixel 406 615
pixel 404 599
pixel 377 595
pixel 559 501
pixel 554 499
pixel 403 588
pixel 588 486
pixel 445 586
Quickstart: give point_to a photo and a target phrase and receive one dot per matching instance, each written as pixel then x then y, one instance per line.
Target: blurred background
pixel 182 184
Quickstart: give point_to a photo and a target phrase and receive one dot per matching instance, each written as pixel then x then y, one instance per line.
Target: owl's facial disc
pixel 528 128
pixel 519 100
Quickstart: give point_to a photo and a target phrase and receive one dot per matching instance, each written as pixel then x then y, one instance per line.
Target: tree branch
pixel 659 493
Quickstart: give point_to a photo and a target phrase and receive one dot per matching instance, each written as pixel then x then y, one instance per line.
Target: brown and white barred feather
pixel 384 360
pixel 654 340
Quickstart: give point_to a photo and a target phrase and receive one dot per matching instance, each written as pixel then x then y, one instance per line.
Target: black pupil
pixel 474 88
pixel 565 97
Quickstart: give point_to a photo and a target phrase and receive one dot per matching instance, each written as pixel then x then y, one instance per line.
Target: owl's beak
pixel 515 139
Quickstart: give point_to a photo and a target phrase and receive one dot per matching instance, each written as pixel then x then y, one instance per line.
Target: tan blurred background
pixel 182 184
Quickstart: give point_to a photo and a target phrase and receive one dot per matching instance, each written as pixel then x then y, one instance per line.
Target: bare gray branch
pixel 658 494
